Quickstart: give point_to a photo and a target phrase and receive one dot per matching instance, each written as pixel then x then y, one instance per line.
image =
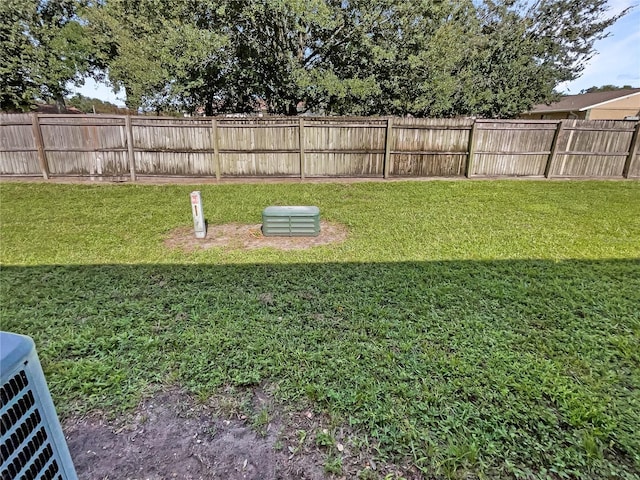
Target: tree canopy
pixel 605 88
pixel 92 105
pixel 493 58
pixel 43 47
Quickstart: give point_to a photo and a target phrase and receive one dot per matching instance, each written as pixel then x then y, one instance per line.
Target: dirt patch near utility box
pixel 237 236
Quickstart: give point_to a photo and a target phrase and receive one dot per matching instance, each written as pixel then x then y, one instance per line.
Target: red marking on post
pixel 194 199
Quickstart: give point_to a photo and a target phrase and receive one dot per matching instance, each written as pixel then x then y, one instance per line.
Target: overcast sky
pixel 616 63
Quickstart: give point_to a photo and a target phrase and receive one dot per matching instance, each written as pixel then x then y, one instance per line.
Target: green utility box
pixel 291 222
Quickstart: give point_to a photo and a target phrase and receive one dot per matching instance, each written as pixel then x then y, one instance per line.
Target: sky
pixel 617 61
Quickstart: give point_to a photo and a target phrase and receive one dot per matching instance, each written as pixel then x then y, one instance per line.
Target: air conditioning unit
pixel 33 445
pixel 291 221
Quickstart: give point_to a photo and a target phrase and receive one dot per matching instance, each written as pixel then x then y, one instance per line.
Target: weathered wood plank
pixel 468 169
pixel 130 148
pixel 301 144
pixel 37 137
pixel 554 149
pixel 633 150
pixel 388 144
pixel 216 150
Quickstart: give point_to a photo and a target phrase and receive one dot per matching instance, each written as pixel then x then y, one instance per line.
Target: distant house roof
pixel 42 108
pixel 585 101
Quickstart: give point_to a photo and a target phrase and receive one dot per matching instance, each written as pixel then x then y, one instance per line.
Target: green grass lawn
pixel 490 327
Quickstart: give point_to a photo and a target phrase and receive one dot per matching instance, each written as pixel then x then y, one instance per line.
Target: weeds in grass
pixel 325 439
pixel 333 465
pixel 367 474
pixel 260 421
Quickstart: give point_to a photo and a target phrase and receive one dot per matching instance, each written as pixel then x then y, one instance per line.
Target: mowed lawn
pixel 487 328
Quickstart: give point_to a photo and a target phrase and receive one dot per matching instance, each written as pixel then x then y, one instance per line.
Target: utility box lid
pixel 291 221
pixel 290 211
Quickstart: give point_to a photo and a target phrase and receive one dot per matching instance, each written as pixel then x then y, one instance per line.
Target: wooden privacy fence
pixel 121 147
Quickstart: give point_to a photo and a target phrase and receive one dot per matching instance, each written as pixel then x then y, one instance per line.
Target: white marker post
pixel 198 215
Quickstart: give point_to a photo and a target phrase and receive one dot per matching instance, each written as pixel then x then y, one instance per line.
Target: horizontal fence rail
pixel 125 147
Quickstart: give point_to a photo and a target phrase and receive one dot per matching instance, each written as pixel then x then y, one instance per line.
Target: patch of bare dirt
pixel 238 236
pixel 171 436
pixel 235 435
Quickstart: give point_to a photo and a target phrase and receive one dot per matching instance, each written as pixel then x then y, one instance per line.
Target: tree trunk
pixel 208 108
pixel 60 105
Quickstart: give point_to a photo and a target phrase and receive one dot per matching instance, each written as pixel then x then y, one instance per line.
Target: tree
pixel 91 105
pixel 42 49
pixel 160 52
pixel 313 52
pixel 491 59
pixel 17 86
pixel 605 88
pixel 229 56
pixel 494 58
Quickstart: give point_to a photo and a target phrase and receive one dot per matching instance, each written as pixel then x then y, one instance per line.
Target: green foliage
pixel 163 54
pixel 260 421
pixel 43 47
pixel 325 439
pixel 364 57
pixel 605 88
pixel 17 87
pixel 333 465
pixel 482 328
pixel 91 105
pixel 492 59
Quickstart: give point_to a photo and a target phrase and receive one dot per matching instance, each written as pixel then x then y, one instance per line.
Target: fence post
pixel 132 160
pixel 39 141
pixel 633 148
pixel 387 148
pixel 471 150
pixel 301 144
pixel 216 151
pixel 554 150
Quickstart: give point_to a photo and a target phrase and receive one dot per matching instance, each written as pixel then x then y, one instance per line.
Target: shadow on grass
pixel 503 367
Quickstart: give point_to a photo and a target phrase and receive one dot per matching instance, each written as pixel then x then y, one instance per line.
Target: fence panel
pixel 634 166
pixel 258 147
pixel 173 146
pixel 18 153
pixel 512 148
pixel 344 164
pixel 593 148
pixel 260 164
pixel 429 147
pixel 84 145
pixel 634 171
pixel 344 147
pixel 96 145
